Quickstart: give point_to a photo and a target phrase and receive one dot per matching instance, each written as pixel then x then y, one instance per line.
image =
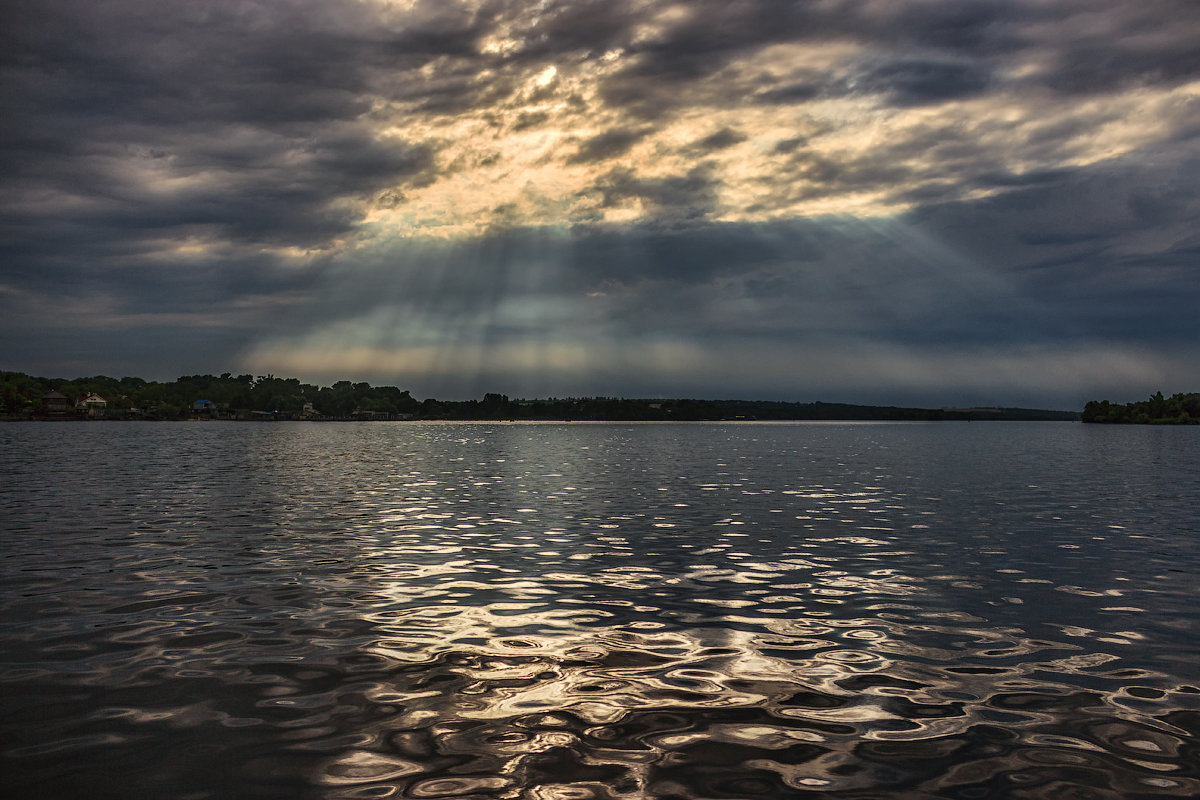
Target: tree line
pixel 1178 409
pixel 266 396
pixel 285 397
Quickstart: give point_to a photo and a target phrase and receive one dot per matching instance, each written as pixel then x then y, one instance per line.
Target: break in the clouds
pixel 912 200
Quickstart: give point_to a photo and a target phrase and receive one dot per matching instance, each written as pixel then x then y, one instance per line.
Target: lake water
pixel 415 610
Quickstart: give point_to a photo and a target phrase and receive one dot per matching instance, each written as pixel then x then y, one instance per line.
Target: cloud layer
pixel 927 200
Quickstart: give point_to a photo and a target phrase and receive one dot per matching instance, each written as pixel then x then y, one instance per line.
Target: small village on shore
pixel 57 406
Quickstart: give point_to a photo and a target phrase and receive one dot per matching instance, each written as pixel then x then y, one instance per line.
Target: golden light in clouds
pixel 524 161
pixel 521 153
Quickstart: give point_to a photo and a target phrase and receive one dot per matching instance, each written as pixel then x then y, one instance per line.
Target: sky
pixel 926 202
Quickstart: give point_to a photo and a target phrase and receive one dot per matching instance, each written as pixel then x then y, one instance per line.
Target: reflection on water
pixel 599 611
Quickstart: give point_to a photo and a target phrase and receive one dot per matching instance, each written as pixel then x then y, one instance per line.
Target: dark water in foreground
pixel 407 610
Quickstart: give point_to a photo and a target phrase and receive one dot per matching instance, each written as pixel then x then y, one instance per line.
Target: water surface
pixel 396 610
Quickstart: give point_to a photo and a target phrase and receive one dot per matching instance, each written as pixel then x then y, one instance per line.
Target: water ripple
pixel 532 611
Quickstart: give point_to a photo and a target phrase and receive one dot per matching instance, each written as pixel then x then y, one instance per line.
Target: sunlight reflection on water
pixel 553 611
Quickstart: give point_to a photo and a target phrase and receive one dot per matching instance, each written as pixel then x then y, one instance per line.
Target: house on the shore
pixel 55 404
pixel 204 408
pixel 91 406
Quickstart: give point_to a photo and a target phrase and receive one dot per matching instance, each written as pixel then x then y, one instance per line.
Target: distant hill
pixel 266 397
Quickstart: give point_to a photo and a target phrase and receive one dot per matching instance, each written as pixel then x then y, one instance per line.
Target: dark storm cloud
pixel 689 195
pixel 182 63
pixel 900 82
pixel 976 28
pixel 1112 248
pixel 688 254
pixel 1095 67
pixel 1014 179
pixel 950 50
pixel 993 281
pixel 134 317
pixel 910 82
pixel 610 144
pixel 256 127
pixel 719 140
pixel 792 93
pixel 285 196
pixel 1129 46
pixel 717 33
pixel 806 174
pixel 786 146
